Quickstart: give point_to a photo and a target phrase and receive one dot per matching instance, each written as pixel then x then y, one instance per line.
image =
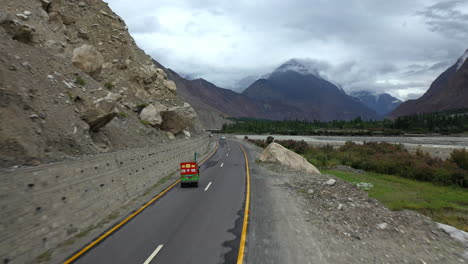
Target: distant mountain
pixel 448 92
pixel 382 103
pixel 243 83
pixel 296 84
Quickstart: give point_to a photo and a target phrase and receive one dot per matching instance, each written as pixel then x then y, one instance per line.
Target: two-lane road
pixel 186 225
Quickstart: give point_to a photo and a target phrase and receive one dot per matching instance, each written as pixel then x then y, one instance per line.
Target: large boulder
pixel 152 114
pixel 100 114
pixel 177 119
pixel 88 59
pixel 276 153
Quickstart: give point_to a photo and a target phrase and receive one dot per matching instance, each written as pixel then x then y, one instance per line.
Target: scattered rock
pixel 82 4
pixel 23 16
pixel 26 65
pixel 330 182
pixel 346 168
pixel 152 114
pixel 310 191
pixel 83 34
pixel 340 207
pixel 99 115
pixel 12 68
pixel 364 185
pixel 16 29
pixel 67 20
pixel 382 226
pixel 46 5
pixel 170 135
pixel 88 59
pixel 186 133
pixel 276 153
pixel 170 85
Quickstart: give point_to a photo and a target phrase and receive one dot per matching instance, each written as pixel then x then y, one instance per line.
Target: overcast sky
pixel 396 46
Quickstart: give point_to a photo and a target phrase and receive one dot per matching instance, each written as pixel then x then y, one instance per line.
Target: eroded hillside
pixel 73 82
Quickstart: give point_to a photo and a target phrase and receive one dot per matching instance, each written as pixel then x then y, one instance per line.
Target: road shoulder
pixel 297 218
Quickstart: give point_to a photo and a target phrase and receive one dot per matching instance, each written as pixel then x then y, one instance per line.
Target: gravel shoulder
pixel 298 218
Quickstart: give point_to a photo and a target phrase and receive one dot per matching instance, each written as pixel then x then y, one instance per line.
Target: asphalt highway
pixel 186 225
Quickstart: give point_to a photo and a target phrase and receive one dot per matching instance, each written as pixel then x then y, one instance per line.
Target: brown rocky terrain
pixel 448 92
pixel 73 82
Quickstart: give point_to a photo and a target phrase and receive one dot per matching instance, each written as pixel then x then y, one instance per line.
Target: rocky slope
pixel 295 84
pixel 382 103
pixel 73 82
pixel 448 92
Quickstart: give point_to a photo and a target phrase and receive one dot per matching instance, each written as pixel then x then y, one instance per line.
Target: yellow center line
pixel 88 247
pixel 240 256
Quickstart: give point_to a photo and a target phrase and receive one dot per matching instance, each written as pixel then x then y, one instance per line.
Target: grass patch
pixel 162 181
pixel 109 86
pixel 79 80
pixel 444 204
pixel 123 115
pixel 144 122
pixel 44 256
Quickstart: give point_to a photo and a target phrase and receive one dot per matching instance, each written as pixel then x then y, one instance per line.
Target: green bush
pixel 109 86
pixel 79 80
pixel 460 157
pixel 385 158
pixel 270 139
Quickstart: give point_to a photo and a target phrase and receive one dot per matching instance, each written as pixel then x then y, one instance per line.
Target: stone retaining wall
pixel 45 205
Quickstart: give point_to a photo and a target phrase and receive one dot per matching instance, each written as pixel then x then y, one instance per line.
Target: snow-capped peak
pixel 462 60
pixel 301 66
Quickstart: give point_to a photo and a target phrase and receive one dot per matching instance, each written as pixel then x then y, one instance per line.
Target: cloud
pixel 395 46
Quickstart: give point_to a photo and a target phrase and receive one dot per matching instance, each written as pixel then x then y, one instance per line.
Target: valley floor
pixel 297 218
pixel 435 146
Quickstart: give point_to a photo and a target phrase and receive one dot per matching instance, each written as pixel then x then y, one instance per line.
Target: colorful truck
pixel 189 174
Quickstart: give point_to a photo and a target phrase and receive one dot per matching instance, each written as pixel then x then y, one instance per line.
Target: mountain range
pixel 448 92
pixel 292 91
pixel 295 90
pixel 382 103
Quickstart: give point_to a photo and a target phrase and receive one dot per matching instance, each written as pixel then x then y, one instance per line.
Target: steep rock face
pixel 293 84
pixel 58 60
pixel 448 92
pixel 383 103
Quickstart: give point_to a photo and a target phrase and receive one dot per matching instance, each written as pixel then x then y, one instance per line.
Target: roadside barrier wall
pixel 43 206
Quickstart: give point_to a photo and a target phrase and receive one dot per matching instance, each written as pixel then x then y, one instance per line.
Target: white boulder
pixel 152 114
pixel 88 59
pixel 275 153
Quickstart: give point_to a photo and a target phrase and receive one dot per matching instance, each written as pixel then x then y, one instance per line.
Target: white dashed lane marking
pixel 208 186
pixel 151 257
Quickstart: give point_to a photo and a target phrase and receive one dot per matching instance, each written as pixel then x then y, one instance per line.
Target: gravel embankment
pixel 298 218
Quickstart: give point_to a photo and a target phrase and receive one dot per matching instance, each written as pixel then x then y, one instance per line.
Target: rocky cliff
pixel 73 82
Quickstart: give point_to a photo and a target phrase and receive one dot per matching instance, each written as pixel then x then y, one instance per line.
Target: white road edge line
pixel 208 186
pixel 151 257
pixel 221 165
